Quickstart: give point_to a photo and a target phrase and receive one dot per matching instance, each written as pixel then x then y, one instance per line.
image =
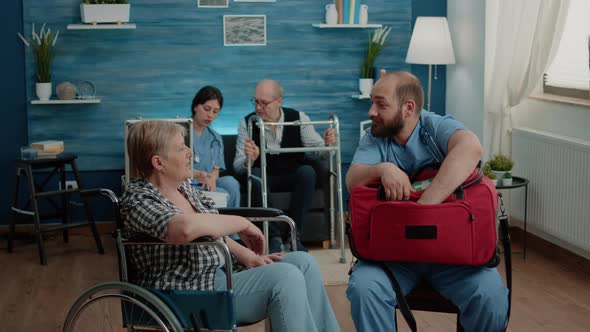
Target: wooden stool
pixel 58 166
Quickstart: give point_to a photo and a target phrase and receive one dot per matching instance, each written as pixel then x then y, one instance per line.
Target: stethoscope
pixel 430 143
pixel 214 142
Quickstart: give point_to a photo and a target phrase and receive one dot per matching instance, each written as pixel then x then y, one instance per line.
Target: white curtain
pixel 522 38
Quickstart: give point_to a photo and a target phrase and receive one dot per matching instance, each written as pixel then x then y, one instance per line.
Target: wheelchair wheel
pixel 120 306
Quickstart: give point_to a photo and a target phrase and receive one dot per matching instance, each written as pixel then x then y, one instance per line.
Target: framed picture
pixel 212 3
pixel 244 30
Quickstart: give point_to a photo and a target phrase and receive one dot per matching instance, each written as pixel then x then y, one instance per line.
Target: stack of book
pixel 348 11
pixel 48 149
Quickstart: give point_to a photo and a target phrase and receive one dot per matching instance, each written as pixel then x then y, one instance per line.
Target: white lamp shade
pixel 431 42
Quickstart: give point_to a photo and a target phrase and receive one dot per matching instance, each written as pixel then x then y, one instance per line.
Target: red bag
pixel 461 230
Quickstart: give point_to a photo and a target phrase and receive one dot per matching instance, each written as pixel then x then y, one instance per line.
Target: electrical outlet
pixel 72 184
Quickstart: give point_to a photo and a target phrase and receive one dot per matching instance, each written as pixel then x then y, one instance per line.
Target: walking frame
pixel 334 152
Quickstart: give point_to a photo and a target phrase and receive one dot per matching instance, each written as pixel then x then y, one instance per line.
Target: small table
pixel 36 191
pixel 519 182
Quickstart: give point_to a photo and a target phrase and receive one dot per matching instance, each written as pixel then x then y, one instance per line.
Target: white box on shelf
pixel 113 13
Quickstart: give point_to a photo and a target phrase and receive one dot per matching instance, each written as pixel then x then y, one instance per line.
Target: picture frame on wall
pixel 244 30
pixel 213 3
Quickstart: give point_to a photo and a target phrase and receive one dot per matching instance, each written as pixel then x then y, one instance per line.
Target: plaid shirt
pixel 145 211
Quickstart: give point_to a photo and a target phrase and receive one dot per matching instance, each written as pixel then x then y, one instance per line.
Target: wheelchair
pixel 123 306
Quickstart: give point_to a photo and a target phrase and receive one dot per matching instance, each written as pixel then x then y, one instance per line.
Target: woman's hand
pixel 209 182
pixel 253 238
pixel 255 260
pixel 200 176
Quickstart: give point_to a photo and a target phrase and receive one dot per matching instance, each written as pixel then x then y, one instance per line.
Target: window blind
pixel 570 67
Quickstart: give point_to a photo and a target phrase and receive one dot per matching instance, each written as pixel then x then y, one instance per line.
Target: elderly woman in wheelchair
pixel 161 203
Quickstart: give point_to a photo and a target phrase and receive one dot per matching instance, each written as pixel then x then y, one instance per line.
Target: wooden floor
pixel 551 290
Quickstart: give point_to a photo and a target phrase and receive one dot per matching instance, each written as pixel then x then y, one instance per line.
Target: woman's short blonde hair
pixel 147 139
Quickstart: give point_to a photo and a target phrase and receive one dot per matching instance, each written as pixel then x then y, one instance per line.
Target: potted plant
pixel 501 165
pixel 376 41
pixel 105 11
pixel 493 178
pixel 487 171
pixel 43 44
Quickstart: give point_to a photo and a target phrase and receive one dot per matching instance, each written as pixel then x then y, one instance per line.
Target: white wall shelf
pixel 357 26
pixel 101 26
pixel 59 101
pixel 361 96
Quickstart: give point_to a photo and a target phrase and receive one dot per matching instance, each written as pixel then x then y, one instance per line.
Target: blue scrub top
pixel 209 149
pixel 419 151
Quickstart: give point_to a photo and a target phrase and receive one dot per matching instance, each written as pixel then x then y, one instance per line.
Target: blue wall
pixel 153 71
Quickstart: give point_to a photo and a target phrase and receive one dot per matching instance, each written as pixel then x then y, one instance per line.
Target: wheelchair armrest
pixel 252 212
pixel 87 193
pixel 100 191
pixel 144 239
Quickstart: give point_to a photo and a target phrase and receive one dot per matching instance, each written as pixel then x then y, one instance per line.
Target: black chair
pixel 424 298
pixel 317 225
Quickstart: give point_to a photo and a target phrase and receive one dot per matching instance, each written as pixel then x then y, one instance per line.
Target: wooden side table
pixel 520 182
pixel 57 167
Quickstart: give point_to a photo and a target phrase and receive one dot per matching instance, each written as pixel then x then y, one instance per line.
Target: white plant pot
pixel 43 90
pixel 502 181
pixel 494 181
pixel 365 86
pixel 118 13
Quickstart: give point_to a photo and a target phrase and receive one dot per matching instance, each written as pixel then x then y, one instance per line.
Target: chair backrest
pixel 363 125
pixel 229 152
pixel 187 123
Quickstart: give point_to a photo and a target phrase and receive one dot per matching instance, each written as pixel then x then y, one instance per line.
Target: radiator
pixel 558 168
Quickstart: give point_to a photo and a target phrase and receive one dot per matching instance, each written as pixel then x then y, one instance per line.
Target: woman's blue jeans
pixel 291 293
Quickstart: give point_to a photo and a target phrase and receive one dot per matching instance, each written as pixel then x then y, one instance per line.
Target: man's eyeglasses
pixel 262 103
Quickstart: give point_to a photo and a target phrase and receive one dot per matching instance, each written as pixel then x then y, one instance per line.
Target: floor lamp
pixel 431 45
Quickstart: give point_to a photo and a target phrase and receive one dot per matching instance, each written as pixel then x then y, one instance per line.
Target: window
pixel 569 73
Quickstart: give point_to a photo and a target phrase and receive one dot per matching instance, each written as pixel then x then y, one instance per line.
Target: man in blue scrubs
pixel 402 139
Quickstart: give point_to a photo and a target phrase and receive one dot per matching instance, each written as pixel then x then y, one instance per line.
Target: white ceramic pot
pixel 117 13
pixel 502 181
pixel 365 86
pixel 43 90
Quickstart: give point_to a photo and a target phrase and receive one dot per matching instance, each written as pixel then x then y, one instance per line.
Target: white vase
pixel 331 14
pixel 43 90
pixel 364 15
pixel 365 86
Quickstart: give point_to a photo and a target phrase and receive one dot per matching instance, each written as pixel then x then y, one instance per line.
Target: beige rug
pixel 333 272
